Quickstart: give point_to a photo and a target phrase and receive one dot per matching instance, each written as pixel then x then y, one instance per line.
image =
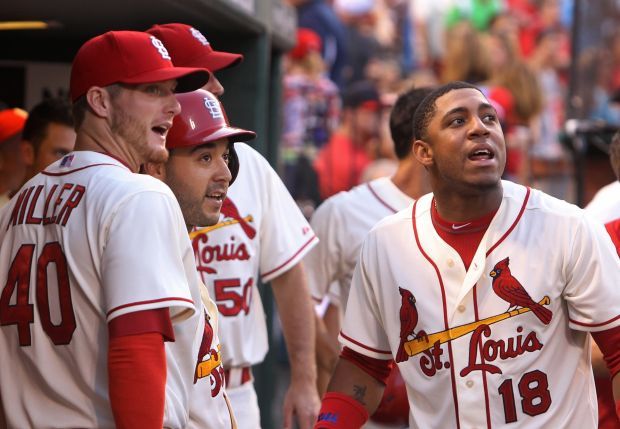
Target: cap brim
pixel 233 134
pixel 188 78
pixel 218 60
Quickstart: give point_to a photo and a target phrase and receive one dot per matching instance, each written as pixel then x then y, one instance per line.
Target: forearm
pixel 298 322
pixel 351 380
pixel 327 350
pixel 616 387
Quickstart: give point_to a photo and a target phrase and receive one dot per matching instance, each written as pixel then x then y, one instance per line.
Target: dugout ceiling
pixel 261 30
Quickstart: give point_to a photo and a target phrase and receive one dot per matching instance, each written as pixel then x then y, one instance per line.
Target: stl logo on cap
pixel 199 36
pixel 160 48
pixel 214 108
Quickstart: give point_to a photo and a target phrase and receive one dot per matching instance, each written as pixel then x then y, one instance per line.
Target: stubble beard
pixel 135 134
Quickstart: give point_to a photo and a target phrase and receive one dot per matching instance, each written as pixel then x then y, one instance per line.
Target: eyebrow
pixel 461 109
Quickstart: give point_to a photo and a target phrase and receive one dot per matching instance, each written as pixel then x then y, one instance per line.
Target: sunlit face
pixel 199 178
pixel 59 140
pixel 142 115
pixel 466 141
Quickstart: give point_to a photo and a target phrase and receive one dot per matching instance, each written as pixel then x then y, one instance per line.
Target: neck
pixel 95 135
pixel 456 205
pixel 411 178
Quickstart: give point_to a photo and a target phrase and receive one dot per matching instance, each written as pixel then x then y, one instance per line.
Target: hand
pixel 301 400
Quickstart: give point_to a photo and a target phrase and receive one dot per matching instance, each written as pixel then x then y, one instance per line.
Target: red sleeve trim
pixel 143 322
pixel 134 304
pixel 379 369
pixel 263 275
pixel 357 343
pixel 594 325
pixel 608 341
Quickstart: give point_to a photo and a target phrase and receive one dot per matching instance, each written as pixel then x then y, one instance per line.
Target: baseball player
pixel 483 292
pixel 343 220
pixel 202 164
pixel 263 236
pixel 96 268
pixel 49 130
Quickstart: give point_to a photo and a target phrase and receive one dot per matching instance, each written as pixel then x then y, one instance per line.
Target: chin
pixel 210 219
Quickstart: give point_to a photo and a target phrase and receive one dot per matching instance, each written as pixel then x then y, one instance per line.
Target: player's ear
pixel 27 151
pixel 155 169
pixel 423 152
pixel 99 100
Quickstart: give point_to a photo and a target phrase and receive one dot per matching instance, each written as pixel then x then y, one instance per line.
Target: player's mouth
pixel 162 129
pixel 481 154
pixel 218 197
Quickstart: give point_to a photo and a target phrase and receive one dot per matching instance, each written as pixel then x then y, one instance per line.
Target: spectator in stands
pixel 354 144
pixel 311 113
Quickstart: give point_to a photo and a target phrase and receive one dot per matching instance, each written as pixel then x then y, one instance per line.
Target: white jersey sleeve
pixel 325 260
pixel 362 329
pixel 286 236
pixel 592 278
pixel 134 245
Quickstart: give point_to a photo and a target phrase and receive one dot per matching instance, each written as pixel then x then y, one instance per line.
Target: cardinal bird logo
pixel 229 209
pixel 408 322
pixel 508 288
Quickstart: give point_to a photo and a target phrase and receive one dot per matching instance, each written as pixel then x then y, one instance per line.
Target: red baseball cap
pixel 128 57
pixel 11 122
pixel 190 48
pixel 307 41
pixel 202 120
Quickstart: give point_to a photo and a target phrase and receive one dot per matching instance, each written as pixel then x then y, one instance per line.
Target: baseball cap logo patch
pixel 160 48
pixel 213 106
pixel 199 36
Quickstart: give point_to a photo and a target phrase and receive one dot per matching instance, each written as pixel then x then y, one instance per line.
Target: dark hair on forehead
pixel 401 119
pixel 50 110
pixel 427 108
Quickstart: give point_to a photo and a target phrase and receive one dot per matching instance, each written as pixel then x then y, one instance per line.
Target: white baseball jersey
pixel 341 223
pixel 261 233
pixel 468 361
pixel 605 206
pixel 84 242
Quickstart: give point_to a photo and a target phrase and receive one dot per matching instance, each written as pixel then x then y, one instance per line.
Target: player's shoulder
pixel 247 152
pixel 540 203
pixel 403 218
pixel 349 201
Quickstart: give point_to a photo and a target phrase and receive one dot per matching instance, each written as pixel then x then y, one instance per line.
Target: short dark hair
pixel 359 93
pixel 401 119
pixel 50 110
pixel 427 108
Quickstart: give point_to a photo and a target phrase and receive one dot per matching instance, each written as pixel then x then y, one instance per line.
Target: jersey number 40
pixel 21 313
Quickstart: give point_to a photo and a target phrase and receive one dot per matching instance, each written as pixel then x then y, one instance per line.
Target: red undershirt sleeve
pixel 137 368
pixel 379 369
pixel 608 342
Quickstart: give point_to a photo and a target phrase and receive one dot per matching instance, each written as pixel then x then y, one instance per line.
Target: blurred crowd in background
pixel 353 57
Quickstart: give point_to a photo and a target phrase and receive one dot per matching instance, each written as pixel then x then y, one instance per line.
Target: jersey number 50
pixel 18 283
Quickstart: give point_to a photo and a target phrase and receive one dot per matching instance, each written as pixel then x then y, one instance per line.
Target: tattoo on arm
pixel 358 393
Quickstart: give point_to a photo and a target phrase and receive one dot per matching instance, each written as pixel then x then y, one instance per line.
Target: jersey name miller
pixel 56 208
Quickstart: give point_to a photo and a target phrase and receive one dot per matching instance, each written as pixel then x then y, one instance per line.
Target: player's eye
pixel 226 157
pixel 457 122
pixel 206 157
pixel 153 89
pixel 490 117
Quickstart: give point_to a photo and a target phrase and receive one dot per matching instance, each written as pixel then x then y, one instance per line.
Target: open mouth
pixel 481 154
pixel 217 196
pixel 162 130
